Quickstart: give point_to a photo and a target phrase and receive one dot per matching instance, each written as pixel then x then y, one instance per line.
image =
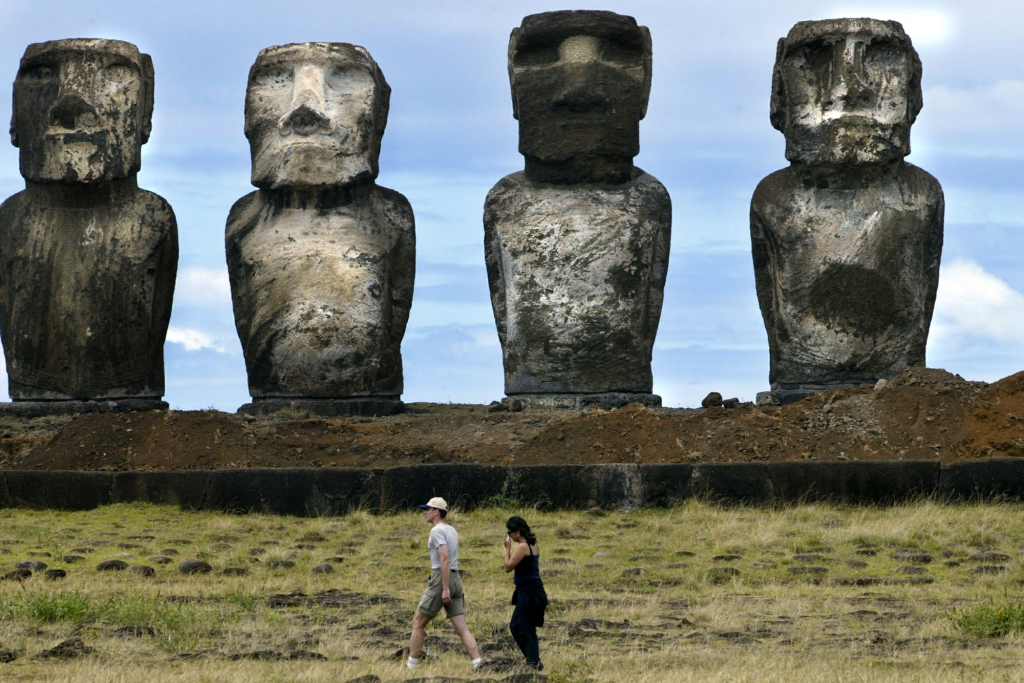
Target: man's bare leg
pixel 419 633
pixel 459 623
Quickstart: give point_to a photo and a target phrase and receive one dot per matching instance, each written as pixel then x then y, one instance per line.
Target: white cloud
pixel 194 340
pixel 203 286
pixel 974 307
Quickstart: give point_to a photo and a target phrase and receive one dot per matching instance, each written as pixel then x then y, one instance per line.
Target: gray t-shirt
pixel 444 534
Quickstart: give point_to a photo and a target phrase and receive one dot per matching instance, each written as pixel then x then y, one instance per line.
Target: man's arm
pixel 446 573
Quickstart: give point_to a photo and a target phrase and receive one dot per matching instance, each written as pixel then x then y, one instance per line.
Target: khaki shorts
pixel 431 602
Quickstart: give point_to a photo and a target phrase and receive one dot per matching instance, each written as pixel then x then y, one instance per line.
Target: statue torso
pixel 581 278
pixel 846 271
pixel 313 292
pixel 85 296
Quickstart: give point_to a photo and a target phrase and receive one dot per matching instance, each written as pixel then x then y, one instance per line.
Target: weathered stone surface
pixel 577 245
pixel 580 86
pixel 327 407
pixel 732 482
pixel 40 408
pixel 605 401
pixel 87 259
pixel 860 482
pixel 847 240
pixel 321 259
pixel 983 478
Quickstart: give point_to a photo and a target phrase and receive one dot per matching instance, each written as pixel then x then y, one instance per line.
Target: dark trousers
pixel 524 631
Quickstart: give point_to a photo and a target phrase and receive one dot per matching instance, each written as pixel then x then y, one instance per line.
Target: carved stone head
pixel 314 115
pixel 580 85
pixel 82 110
pixel 846 91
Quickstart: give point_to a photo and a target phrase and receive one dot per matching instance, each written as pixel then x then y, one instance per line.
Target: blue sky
pixel 451 136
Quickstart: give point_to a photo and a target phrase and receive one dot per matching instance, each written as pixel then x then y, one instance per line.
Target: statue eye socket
pixel 119 73
pixel 39 73
pixel 536 55
pixel 347 81
pixel 884 54
pixel 620 53
pixel 817 55
pixel 273 78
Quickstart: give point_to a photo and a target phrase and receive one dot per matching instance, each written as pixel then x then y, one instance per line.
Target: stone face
pixel 580 85
pixel 321 259
pixel 87 259
pixel 577 245
pixel 847 240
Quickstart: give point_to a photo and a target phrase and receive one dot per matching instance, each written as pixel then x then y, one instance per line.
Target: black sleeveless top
pixel 528 568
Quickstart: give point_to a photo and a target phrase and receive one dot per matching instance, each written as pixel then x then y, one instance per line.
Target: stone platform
pixel 367 406
pixel 607 400
pixel 42 408
pixel 782 394
pixel 314 491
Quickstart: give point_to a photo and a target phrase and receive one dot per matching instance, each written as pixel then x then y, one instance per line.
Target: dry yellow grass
pixel 674 620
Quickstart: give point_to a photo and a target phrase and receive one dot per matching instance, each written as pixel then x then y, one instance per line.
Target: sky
pixel 451 136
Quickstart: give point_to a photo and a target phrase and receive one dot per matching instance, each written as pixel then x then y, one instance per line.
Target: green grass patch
pixel 47 607
pixel 990 621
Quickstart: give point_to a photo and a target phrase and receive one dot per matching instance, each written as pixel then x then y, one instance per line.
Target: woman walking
pixel 529 596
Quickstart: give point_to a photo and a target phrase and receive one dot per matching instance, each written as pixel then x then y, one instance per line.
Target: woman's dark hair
pixel 516 523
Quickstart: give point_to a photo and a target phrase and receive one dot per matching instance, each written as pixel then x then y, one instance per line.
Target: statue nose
pixel 581 93
pixel 307 119
pixel 852 87
pixel 72 112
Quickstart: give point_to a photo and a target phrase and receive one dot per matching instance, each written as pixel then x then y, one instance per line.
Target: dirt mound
pixel 921 414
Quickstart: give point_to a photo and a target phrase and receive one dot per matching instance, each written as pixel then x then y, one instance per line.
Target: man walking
pixel 444 587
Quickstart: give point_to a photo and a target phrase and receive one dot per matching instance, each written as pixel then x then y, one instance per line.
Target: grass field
pixel 921 592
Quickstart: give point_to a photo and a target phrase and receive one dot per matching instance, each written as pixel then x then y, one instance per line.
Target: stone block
pixel 665 484
pixel 27 488
pixel 983 479
pixel 186 488
pixel 854 483
pixel 732 482
pixel 70 490
pixel 463 486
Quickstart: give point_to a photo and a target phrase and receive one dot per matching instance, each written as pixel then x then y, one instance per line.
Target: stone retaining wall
pixel 330 491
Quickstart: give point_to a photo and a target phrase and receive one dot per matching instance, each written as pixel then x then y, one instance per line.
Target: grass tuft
pixel 990 621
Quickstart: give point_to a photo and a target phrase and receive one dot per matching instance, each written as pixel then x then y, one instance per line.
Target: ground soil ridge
pixel 923 413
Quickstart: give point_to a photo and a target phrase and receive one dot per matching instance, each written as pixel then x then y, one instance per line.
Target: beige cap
pixel 437 502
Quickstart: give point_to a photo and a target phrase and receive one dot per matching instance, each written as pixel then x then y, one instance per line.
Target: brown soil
pixel 921 414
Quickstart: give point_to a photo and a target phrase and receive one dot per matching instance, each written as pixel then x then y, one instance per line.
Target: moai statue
pixel 577 245
pixel 87 259
pixel 321 258
pixel 847 239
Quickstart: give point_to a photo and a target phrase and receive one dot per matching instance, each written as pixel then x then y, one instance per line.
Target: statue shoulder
pixel 395 206
pixel 920 180
pixel 13 205
pixel 506 191
pixel 780 185
pixel 154 208
pixel 652 188
pixel 244 214
pixel 511 185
